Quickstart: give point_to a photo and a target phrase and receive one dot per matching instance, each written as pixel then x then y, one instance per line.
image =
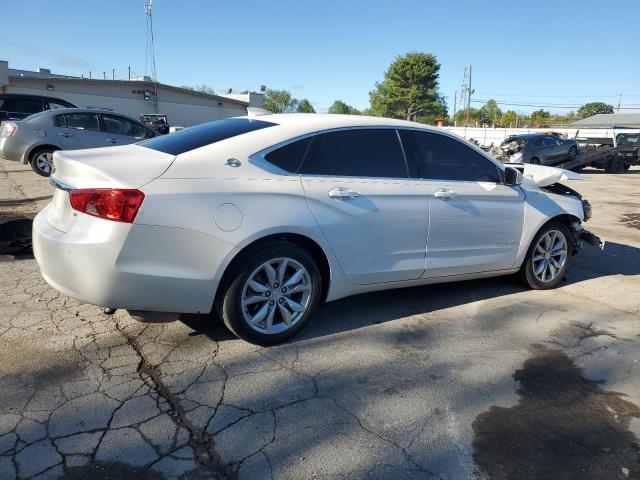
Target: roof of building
pixel 608 120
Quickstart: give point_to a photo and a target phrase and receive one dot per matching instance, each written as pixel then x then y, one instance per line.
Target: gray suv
pixel 34 139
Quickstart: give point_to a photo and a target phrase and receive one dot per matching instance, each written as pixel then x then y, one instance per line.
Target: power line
pixel 557 96
pixel 548 105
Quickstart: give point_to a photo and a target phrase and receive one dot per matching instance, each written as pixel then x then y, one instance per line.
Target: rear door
pixel 475 221
pixel 121 130
pixel 79 130
pixel 374 216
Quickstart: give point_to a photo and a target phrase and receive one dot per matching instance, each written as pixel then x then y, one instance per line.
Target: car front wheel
pixel 548 257
pixel 272 294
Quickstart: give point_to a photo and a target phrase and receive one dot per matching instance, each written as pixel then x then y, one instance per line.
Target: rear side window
pixel 290 156
pixel 205 134
pixel 440 157
pixel 82 121
pixel 356 153
pixel 58 121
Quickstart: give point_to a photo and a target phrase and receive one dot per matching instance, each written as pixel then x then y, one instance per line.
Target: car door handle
pixel 111 140
pixel 342 193
pixel 444 193
pixel 65 135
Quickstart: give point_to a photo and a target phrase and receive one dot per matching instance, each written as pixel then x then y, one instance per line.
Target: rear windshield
pixel 205 134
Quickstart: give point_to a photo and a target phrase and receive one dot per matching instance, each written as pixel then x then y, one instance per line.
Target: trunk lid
pixel 128 166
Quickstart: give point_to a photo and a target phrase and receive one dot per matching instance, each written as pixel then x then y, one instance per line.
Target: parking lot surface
pixel 479 379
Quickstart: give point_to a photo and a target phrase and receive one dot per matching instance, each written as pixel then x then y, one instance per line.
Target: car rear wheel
pixel 573 153
pixel 272 293
pixel 548 258
pixel 42 161
pixel 535 161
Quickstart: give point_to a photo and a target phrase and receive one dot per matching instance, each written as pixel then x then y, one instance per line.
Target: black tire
pixel 573 153
pixel 527 274
pixel 535 161
pixel 627 166
pixel 615 165
pixel 229 302
pixel 38 163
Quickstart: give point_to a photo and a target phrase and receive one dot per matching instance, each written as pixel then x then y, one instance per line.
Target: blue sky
pixel 562 52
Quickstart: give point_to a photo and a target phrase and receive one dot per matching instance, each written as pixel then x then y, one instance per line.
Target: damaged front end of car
pixel 548 180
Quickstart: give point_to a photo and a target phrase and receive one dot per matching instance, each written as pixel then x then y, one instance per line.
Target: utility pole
pixel 104 75
pixel 129 73
pixel 619 100
pixel 89 74
pixel 469 91
pixel 455 102
pixel 113 74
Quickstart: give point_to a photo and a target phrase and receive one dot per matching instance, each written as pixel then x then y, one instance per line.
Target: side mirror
pixel 512 176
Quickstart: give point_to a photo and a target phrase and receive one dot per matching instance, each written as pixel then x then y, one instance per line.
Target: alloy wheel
pixel 276 295
pixel 549 256
pixel 44 161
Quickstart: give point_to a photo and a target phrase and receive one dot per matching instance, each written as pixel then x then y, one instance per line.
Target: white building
pixel 134 97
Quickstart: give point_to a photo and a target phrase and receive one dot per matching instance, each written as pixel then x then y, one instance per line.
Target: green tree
pixel 340 107
pixel 594 108
pixel 509 119
pixel 409 89
pixel 472 114
pixel 490 111
pixel 304 106
pixel 279 101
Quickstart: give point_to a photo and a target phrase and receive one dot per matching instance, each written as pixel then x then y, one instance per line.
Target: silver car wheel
pixel 276 295
pixel 549 256
pixel 44 161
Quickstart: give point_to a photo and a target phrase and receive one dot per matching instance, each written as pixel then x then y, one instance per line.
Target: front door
pixel 373 215
pixel 475 221
pixel 121 130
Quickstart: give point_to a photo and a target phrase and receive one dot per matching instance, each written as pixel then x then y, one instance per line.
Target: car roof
pixel 327 121
pixel 529 136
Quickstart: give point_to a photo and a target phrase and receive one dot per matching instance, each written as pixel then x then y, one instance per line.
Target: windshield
pixel 205 134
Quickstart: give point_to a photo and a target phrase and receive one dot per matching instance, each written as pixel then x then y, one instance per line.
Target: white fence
pixel 488 136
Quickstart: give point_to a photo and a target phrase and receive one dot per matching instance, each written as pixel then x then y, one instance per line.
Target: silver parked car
pixel 34 139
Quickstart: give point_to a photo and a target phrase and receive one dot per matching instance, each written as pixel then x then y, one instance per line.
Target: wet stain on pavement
pixel 564 426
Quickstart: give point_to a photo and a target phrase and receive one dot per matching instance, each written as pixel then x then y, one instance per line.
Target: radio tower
pixel 150 54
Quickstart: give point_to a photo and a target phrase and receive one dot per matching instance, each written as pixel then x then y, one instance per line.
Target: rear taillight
pixel 8 130
pixel 119 205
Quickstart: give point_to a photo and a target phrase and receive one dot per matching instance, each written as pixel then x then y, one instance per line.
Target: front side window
pixel 440 157
pixel 122 126
pixel 356 153
pixel 205 134
pixel 82 121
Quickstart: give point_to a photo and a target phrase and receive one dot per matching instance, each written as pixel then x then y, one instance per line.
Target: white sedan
pixel 262 218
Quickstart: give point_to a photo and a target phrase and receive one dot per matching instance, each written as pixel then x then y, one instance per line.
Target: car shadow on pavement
pixel 379 307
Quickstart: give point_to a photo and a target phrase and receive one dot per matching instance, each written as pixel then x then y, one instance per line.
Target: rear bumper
pixel 9 151
pixel 133 267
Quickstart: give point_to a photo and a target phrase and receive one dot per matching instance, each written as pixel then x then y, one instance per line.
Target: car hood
pixel 544 176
